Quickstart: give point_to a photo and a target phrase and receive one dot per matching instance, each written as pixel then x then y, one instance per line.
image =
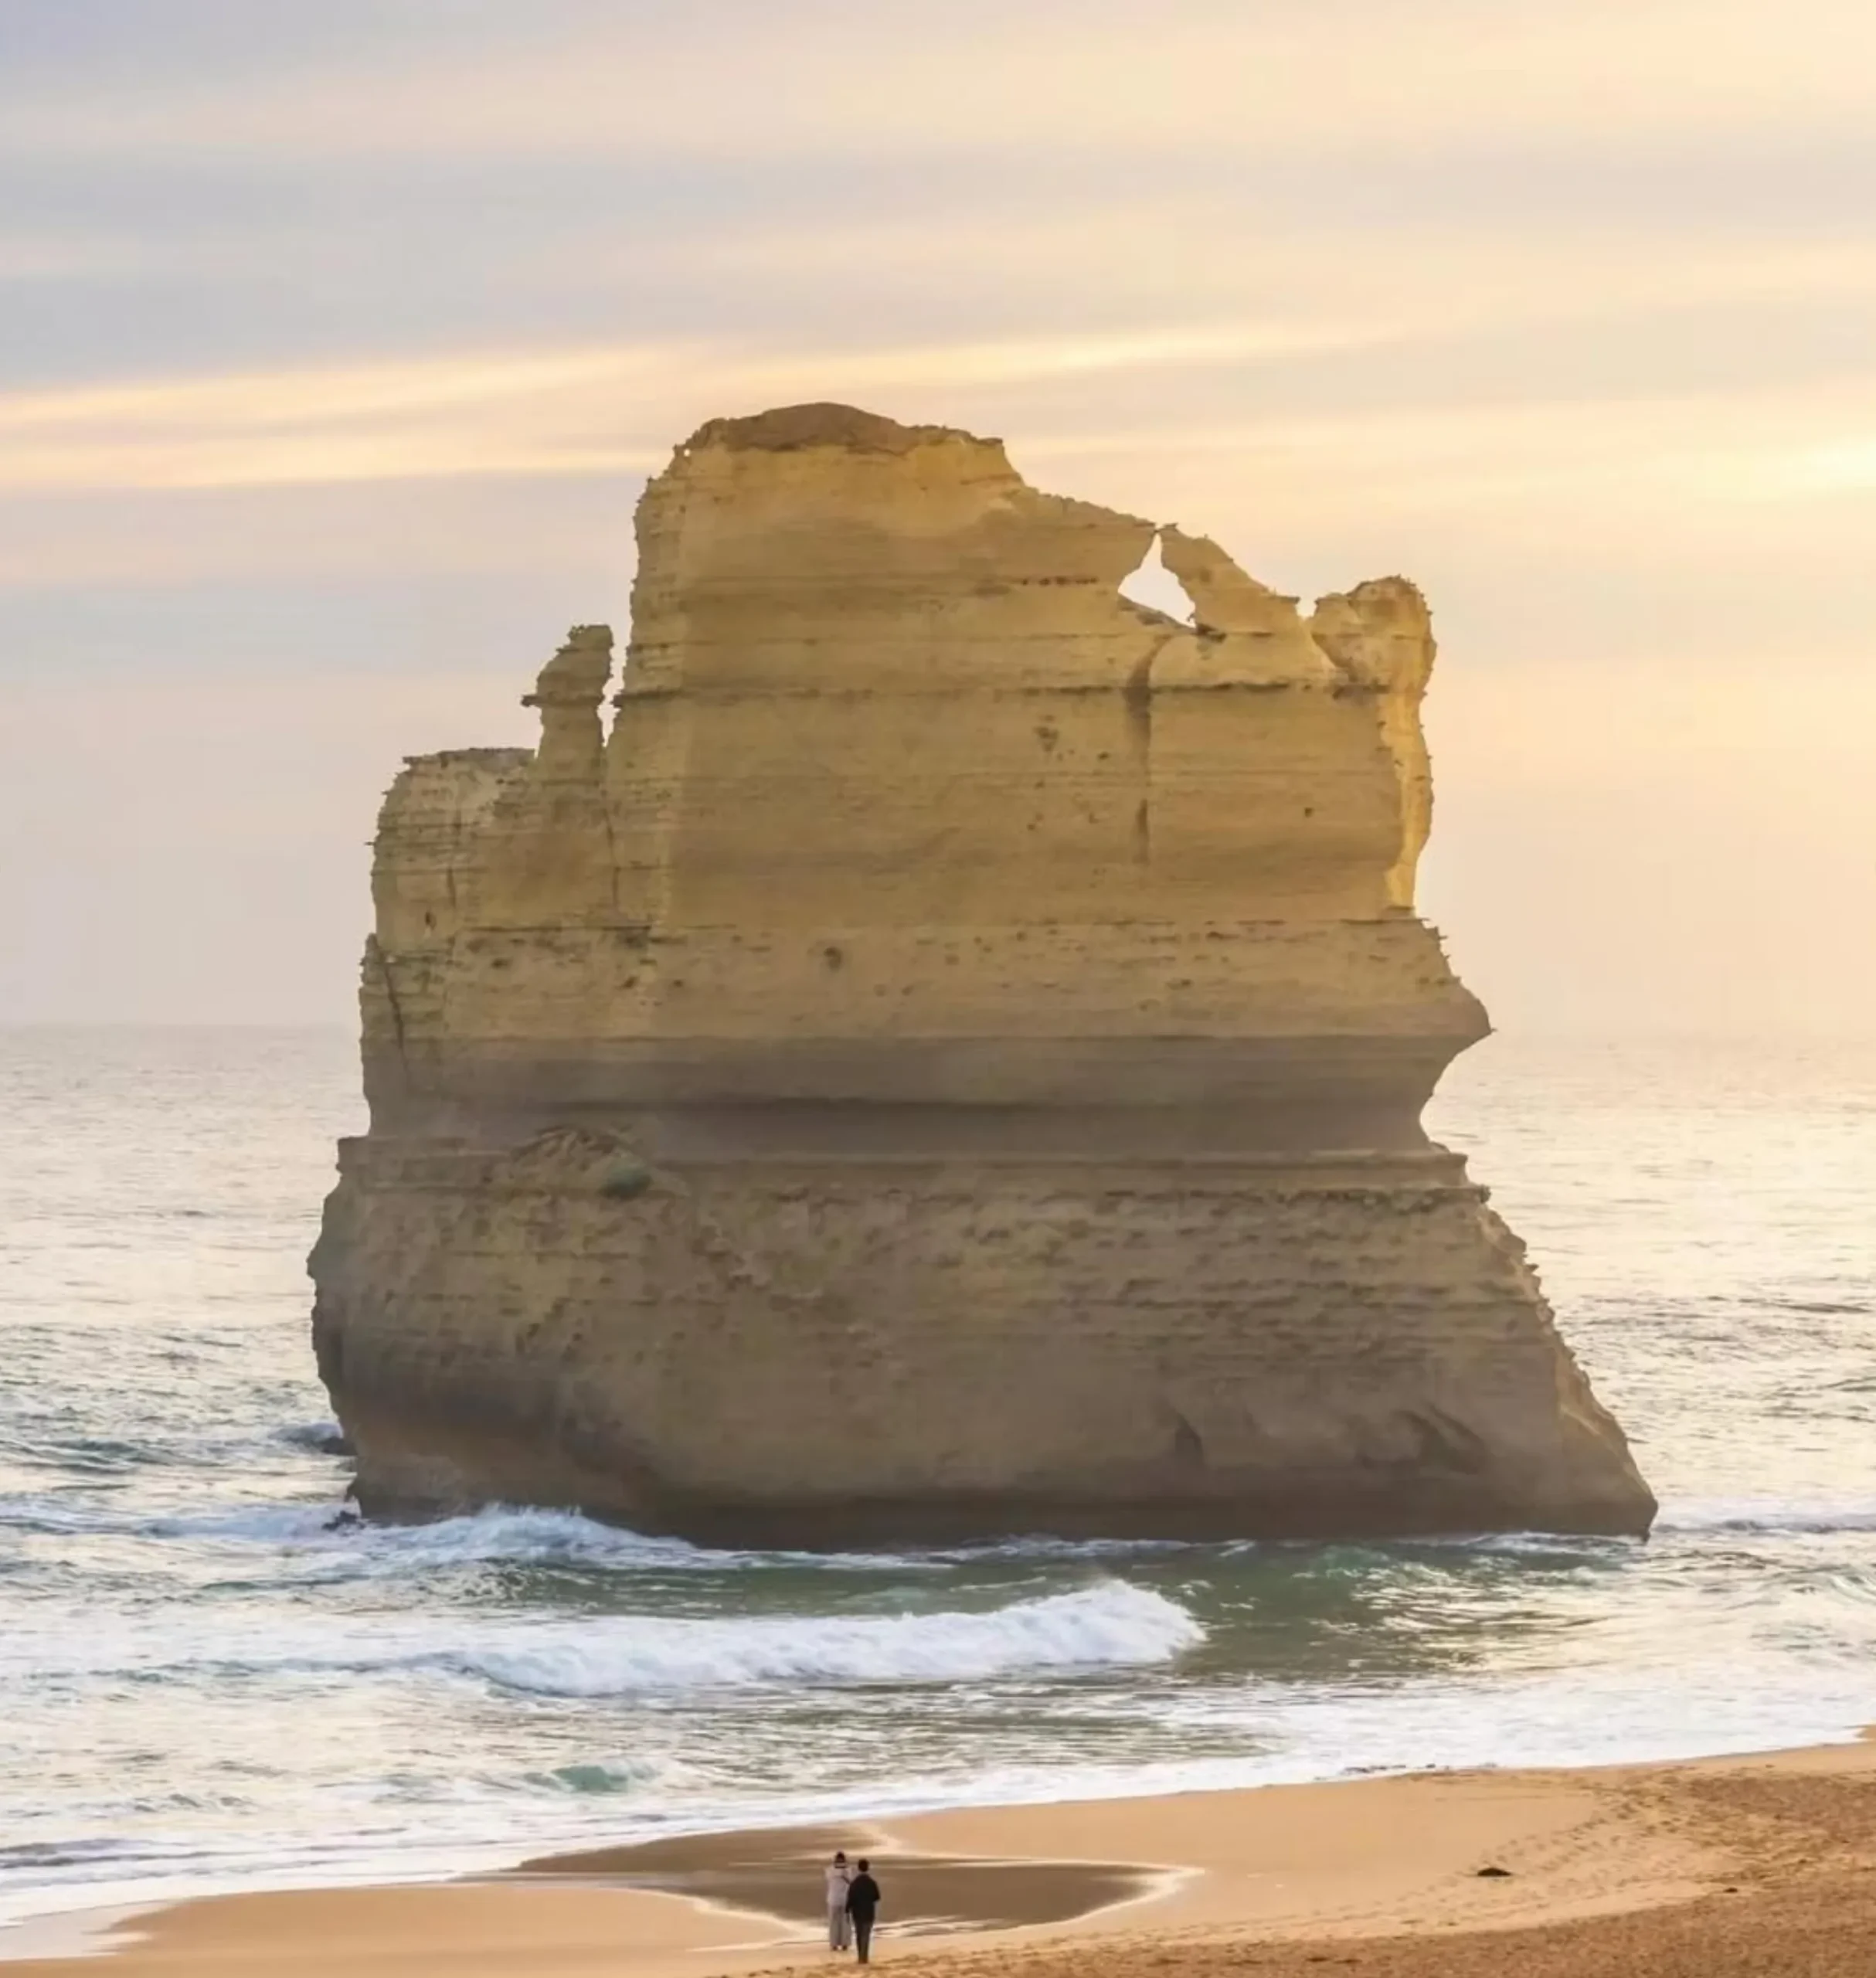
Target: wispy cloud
pixel 731 78
pixel 619 408
pixel 486 415
pixel 597 411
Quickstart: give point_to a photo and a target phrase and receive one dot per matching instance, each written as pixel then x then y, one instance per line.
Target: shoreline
pixel 409 1866
pixel 1402 1865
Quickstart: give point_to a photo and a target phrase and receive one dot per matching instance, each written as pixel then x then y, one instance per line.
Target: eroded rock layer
pixel 949 1062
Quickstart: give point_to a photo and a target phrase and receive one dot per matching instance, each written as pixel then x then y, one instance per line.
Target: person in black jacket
pixel 863 1906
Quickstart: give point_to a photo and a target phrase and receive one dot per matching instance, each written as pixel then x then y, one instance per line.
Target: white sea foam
pixel 1108 1624
pixel 1769 1516
pixel 480 1537
pixel 330 1535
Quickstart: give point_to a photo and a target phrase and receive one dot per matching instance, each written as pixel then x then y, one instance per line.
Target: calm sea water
pixel 202 1684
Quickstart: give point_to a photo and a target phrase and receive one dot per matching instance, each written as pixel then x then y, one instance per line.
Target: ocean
pixel 205 1684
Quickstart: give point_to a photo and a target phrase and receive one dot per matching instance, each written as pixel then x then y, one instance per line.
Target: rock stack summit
pixel 947 1062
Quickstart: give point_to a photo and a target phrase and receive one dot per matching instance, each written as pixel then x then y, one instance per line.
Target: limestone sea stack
pixel 947 1061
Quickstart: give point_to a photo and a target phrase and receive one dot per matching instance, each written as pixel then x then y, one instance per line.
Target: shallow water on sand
pixel 203 1683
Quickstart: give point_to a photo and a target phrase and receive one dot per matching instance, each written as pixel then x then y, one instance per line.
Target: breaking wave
pixel 506 1534
pixel 492 1537
pixel 1107 1625
pixel 1747 1515
pixel 325 1532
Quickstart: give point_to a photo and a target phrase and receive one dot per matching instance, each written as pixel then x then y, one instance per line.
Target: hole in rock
pixel 613 706
pixel 1156 587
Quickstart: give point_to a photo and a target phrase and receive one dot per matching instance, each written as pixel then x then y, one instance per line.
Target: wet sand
pixel 777 1873
pixel 1720 1869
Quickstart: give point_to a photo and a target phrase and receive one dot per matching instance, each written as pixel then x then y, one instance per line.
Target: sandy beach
pixel 1764 1865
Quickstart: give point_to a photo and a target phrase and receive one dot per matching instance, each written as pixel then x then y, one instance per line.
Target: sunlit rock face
pixel 946 1061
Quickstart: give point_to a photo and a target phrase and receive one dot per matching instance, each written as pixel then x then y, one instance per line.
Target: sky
pixel 336 342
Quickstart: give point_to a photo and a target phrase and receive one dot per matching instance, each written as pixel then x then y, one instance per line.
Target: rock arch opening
pixel 1155 587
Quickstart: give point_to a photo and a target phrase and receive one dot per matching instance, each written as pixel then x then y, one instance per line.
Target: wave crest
pixel 1748 1515
pixel 1107 1625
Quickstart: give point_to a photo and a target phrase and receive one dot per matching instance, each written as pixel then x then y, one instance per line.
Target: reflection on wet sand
pixel 776 1872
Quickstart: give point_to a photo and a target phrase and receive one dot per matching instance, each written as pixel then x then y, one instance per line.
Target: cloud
pixel 541 412
pixel 617 408
pixel 481 415
pixel 730 78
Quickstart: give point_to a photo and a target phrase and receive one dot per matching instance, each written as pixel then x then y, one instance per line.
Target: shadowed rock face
pixel 948 1062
